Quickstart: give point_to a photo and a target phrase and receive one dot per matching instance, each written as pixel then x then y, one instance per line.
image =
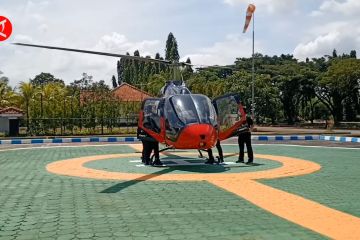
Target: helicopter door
pixel 230 114
pixel 151 119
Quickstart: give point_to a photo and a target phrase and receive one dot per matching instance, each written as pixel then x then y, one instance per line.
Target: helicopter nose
pixel 197 136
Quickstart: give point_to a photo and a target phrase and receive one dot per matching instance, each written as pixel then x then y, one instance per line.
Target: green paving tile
pixel 66 237
pixel 35 202
pixel 337 183
pixel 6 238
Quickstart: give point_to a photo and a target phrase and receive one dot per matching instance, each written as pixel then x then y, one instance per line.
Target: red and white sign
pixel 5 28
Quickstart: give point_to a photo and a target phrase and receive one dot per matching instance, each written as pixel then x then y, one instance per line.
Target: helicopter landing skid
pixel 167 148
pixel 161 150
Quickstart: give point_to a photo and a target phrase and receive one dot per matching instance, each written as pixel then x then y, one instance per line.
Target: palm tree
pixel 27 92
pixel 7 95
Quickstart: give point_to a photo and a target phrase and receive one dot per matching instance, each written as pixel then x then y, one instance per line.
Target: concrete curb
pixel 340 139
pixel 284 137
pixel 69 140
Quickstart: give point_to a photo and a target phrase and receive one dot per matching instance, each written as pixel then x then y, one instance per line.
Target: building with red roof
pixel 9 120
pixel 128 93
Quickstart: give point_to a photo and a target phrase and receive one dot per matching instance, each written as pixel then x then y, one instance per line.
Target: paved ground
pixel 37 204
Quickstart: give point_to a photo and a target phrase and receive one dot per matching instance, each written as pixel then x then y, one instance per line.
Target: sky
pixel 207 31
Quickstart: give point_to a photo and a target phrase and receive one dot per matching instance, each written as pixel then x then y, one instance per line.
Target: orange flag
pixel 249 12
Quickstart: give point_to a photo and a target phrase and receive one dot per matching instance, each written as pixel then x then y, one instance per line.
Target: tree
pixel 45 78
pixel 338 88
pixel 27 92
pixel 127 64
pixel 174 53
pixel 156 82
pixel 169 44
pixel 84 83
pixel 157 65
pixel 188 71
pixel 334 54
pixel 120 71
pixel 171 50
pixel 114 83
pixel 3 79
pixel 353 54
pixel 99 86
pixel 135 69
pixel 7 95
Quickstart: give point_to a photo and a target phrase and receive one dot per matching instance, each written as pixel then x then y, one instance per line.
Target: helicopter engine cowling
pixel 196 136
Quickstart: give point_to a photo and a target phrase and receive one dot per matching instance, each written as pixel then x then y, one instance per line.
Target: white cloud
pixel 338 35
pixel 23 38
pixel 43 28
pixel 271 6
pixel 347 7
pixel 119 43
pixel 333 26
pixel 23 61
pixel 318 47
pixel 225 52
pixel 35 6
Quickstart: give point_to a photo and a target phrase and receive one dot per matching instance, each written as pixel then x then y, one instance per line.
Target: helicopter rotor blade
pixel 96 53
pixel 202 67
pixel 186 64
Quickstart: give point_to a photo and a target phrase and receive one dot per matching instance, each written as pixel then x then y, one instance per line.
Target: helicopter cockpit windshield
pixel 182 110
pixel 193 109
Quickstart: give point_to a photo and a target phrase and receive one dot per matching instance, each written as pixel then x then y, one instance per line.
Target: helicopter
pixel 180 119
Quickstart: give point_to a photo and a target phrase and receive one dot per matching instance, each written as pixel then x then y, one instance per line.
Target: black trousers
pixel 245 138
pixel 219 149
pixel 142 152
pixel 148 147
pixel 155 146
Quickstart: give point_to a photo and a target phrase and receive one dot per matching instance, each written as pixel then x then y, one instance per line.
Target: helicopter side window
pixel 173 124
pixel 205 109
pixel 228 112
pixel 152 115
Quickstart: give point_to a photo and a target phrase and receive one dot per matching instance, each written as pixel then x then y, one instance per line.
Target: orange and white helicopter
pixel 180 119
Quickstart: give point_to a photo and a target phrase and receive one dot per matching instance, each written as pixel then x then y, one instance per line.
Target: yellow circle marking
pixel 309 214
pixel 75 167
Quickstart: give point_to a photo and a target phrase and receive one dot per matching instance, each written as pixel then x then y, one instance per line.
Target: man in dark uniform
pixel 244 133
pixel 220 151
pixel 220 158
pixel 149 144
pixel 155 147
pixel 211 159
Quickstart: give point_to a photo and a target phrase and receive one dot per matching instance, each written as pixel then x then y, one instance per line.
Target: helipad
pixel 102 192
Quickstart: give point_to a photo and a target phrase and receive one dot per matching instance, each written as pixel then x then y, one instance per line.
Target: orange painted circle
pixel 75 167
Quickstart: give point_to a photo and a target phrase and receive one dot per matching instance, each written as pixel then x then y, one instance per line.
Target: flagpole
pixel 253 71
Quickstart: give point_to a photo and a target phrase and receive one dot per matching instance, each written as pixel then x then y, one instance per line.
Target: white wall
pixel 4 125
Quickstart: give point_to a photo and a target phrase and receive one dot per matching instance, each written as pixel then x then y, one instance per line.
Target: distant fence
pixel 352 125
pixel 77 126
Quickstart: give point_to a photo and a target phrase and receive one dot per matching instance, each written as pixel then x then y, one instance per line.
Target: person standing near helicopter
pixel 244 137
pixel 211 159
pixel 149 143
pixel 220 158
